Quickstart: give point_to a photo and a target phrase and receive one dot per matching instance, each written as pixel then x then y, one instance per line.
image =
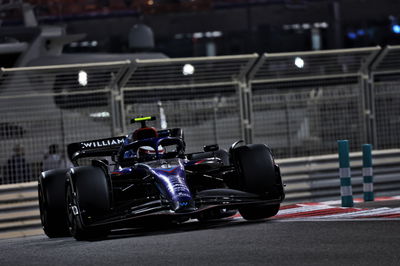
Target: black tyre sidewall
pixel 92 198
pixel 256 168
pixel 52 203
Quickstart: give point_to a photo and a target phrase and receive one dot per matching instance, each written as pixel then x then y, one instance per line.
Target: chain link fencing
pixel 299 103
pixel 199 95
pixel 45 108
pixel 303 102
pixel 385 84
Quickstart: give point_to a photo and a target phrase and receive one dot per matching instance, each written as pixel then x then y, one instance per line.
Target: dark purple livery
pixel 146 178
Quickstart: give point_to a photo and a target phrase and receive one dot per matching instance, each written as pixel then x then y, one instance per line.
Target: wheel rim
pixel 71 216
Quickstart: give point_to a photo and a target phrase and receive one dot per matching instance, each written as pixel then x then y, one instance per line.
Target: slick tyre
pixel 257 174
pixel 87 198
pixel 52 205
pixel 256 168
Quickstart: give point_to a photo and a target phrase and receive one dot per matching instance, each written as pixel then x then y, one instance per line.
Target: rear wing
pixel 91 148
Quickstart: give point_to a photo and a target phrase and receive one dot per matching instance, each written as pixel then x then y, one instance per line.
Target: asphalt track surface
pixel 230 242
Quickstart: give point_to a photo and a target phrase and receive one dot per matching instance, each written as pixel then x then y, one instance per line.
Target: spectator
pixel 16 169
pixel 53 159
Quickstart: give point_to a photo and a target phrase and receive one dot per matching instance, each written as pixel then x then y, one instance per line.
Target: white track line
pixel 356 213
pixel 304 209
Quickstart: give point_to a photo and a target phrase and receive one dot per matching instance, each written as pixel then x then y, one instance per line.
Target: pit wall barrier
pixel 313 178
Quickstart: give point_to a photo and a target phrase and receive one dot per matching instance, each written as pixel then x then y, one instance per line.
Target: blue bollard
pixel 368 178
pixel 346 191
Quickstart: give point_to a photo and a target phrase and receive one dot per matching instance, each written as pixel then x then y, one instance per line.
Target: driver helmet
pixel 144 133
pixel 145 152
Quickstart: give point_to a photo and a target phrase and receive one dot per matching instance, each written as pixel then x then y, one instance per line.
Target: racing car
pixel 147 178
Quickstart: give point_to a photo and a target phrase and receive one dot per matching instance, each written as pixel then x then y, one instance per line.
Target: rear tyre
pixel 52 205
pixel 257 174
pixel 88 198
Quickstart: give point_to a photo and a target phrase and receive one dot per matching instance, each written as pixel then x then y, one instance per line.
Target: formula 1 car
pixel 148 179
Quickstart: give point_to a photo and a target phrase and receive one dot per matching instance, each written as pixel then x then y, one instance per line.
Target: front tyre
pixel 88 198
pixel 257 173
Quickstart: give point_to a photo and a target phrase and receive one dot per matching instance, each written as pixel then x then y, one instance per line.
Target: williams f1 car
pixel 146 178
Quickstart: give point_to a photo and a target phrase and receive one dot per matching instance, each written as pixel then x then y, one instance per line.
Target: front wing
pixel 158 210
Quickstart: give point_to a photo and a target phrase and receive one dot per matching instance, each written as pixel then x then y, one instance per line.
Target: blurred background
pixel 217 27
pixel 295 74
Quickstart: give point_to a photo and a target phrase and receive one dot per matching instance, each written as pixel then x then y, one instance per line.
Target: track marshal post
pixel 368 179
pixel 345 174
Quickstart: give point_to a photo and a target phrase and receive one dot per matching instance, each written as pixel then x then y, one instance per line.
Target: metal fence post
pixel 368 107
pixel 287 119
pixel 246 99
pixel 118 96
pixel 374 140
pixel 239 89
pixel 372 71
pixel 116 99
pixel 246 110
pixel 368 182
pixel 345 174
